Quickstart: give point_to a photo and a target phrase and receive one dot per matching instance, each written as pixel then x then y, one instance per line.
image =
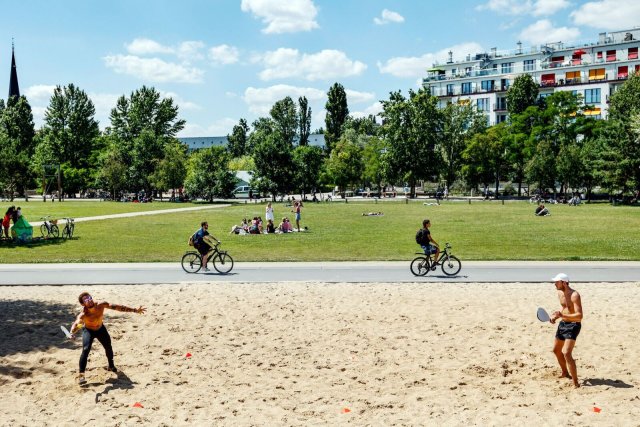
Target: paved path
pixel 143 213
pixel 353 272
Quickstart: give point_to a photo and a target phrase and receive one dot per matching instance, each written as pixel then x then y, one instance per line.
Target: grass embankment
pixel 339 232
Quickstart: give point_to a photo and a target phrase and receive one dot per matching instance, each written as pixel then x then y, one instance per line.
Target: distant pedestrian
pixel 297 208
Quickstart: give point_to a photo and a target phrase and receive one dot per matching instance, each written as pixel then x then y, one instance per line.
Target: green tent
pixel 22 231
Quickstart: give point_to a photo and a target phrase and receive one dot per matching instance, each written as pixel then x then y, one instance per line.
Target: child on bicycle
pixel 424 239
pixel 204 242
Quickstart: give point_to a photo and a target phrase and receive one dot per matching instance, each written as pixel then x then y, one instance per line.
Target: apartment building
pixel 593 70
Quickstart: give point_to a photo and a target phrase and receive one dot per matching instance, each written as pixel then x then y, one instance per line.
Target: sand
pixel 320 354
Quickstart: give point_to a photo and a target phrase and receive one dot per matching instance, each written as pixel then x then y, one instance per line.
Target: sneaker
pixel 112 369
pixel 205 269
pixel 82 380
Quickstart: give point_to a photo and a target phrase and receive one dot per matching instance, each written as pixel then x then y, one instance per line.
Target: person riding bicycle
pixel 426 242
pixel 204 242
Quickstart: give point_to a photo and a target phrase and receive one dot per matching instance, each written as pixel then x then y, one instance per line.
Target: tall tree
pixel 460 122
pixel 412 128
pixel 17 141
pixel 237 141
pixel 308 163
pixel 485 160
pixel 304 121
pixel 208 176
pixel 274 168
pixel 171 171
pixel 345 164
pixel 285 120
pixel 337 113
pixel 522 94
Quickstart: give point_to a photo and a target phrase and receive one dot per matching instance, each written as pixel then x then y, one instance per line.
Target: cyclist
pixel 426 242
pixel 204 242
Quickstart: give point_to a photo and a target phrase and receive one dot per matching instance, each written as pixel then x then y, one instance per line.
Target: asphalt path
pixel 351 272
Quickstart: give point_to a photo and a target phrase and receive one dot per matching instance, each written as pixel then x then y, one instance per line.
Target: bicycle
pixel 450 265
pixel 49 227
pixel 222 261
pixel 67 231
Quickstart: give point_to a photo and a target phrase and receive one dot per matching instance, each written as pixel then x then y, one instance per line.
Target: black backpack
pixel 421 237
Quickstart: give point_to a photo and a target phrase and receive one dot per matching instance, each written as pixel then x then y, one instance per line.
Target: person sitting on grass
pixel 270 227
pixel 285 226
pixel 542 211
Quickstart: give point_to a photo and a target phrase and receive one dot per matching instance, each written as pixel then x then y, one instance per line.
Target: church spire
pixel 14 89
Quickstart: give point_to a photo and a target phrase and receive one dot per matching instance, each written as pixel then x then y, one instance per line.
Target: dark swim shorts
pixel 568 330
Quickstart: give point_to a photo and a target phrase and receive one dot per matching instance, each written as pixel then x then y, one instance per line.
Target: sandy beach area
pixel 320 354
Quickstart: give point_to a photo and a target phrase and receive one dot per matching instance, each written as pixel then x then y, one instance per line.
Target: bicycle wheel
pixel 71 227
pixel 54 231
pixel 223 263
pixel 191 262
pixel 65 232
pixel 43 230
pixel 451 265
pixel 420 266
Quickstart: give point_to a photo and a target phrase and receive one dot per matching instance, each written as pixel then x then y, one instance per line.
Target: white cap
pixel 561 276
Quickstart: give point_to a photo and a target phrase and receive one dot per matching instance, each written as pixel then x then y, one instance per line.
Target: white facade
pixel 592 70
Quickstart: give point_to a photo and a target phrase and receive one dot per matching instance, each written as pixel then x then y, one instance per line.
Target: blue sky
pixel 222 60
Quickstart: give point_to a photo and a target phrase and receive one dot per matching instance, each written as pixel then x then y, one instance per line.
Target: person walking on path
pixel 92 317
pixel 569 327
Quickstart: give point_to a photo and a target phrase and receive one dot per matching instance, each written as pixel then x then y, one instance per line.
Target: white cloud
pixel 373 109
pixel 528 7
pixel 260 100
pixel 39 94
pixel 153 69
pixel 179 101
pixel 324 65
pixel 355 97
pixel 220 127
pixel 608 14
pixel 144 46
pixel 224 54
pixel 543 32
pixel 190 50
pixel 389 16
pixel 283 16
pixel 104 103
pixel 416 66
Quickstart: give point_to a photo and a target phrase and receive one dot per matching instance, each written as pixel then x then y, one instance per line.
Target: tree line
pixel 551 143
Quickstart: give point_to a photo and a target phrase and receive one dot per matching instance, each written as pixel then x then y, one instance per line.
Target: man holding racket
pixel 92 315
pixel 569 328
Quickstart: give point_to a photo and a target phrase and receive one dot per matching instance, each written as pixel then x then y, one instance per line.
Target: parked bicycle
pixel 49 227
pixel 450 265
pixel 67 231
pixel 222 261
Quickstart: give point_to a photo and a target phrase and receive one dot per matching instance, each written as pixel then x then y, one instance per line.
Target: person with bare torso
pixel 91 316
pixel 569 328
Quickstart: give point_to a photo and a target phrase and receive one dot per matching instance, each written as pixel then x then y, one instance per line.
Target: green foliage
pixel 274 168
pixel 304 120
pixel 208 176
pixel 308 162
pixel 112 172
pixel 337 113
pixel 522 94
pixel 171 171
pixel 362 125
pixel 237 141
pixel 485 157
pixel 625 102
pixel 285 120
pixel 244 163
pixel 374 147
pixel 17 142
pixel 345 164
pixel 411 128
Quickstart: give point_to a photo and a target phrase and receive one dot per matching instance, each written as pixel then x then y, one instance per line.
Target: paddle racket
pixel 66 332
pixel 542 314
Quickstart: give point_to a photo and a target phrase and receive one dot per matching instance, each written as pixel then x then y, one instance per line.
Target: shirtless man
pixel 569 327
pixel 91 316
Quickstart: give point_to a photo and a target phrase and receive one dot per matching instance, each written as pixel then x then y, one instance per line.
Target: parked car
pixel 242 192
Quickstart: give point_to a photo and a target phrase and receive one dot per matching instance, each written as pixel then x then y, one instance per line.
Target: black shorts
pixel 568 330
pixel 203 248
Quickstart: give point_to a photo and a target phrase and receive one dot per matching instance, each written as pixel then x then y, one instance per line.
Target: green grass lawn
pixel 339 232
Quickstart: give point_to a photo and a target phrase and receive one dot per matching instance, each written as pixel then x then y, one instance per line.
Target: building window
pixel 623 72
pixel 529 65
pixel 450 89
pixel 486 85
pixel 611 55
pixel 467 71
pixel 466 88
pixel 501 118
pixel 501 104
pixel 572 77
pixel 454 71
pixel 507 67
pixel 556 61
pixel 592 96
pixel 633 53
pixel 482 104
pixel 597 74
pixel 548 80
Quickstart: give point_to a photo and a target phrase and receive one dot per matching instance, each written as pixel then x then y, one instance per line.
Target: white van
pixel 241 192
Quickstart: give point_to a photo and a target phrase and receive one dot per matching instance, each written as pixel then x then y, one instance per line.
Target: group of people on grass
pixel 21 230
pixel 258 226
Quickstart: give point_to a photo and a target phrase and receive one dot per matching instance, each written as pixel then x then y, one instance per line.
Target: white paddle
pixel 542 314
pixel 66 332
